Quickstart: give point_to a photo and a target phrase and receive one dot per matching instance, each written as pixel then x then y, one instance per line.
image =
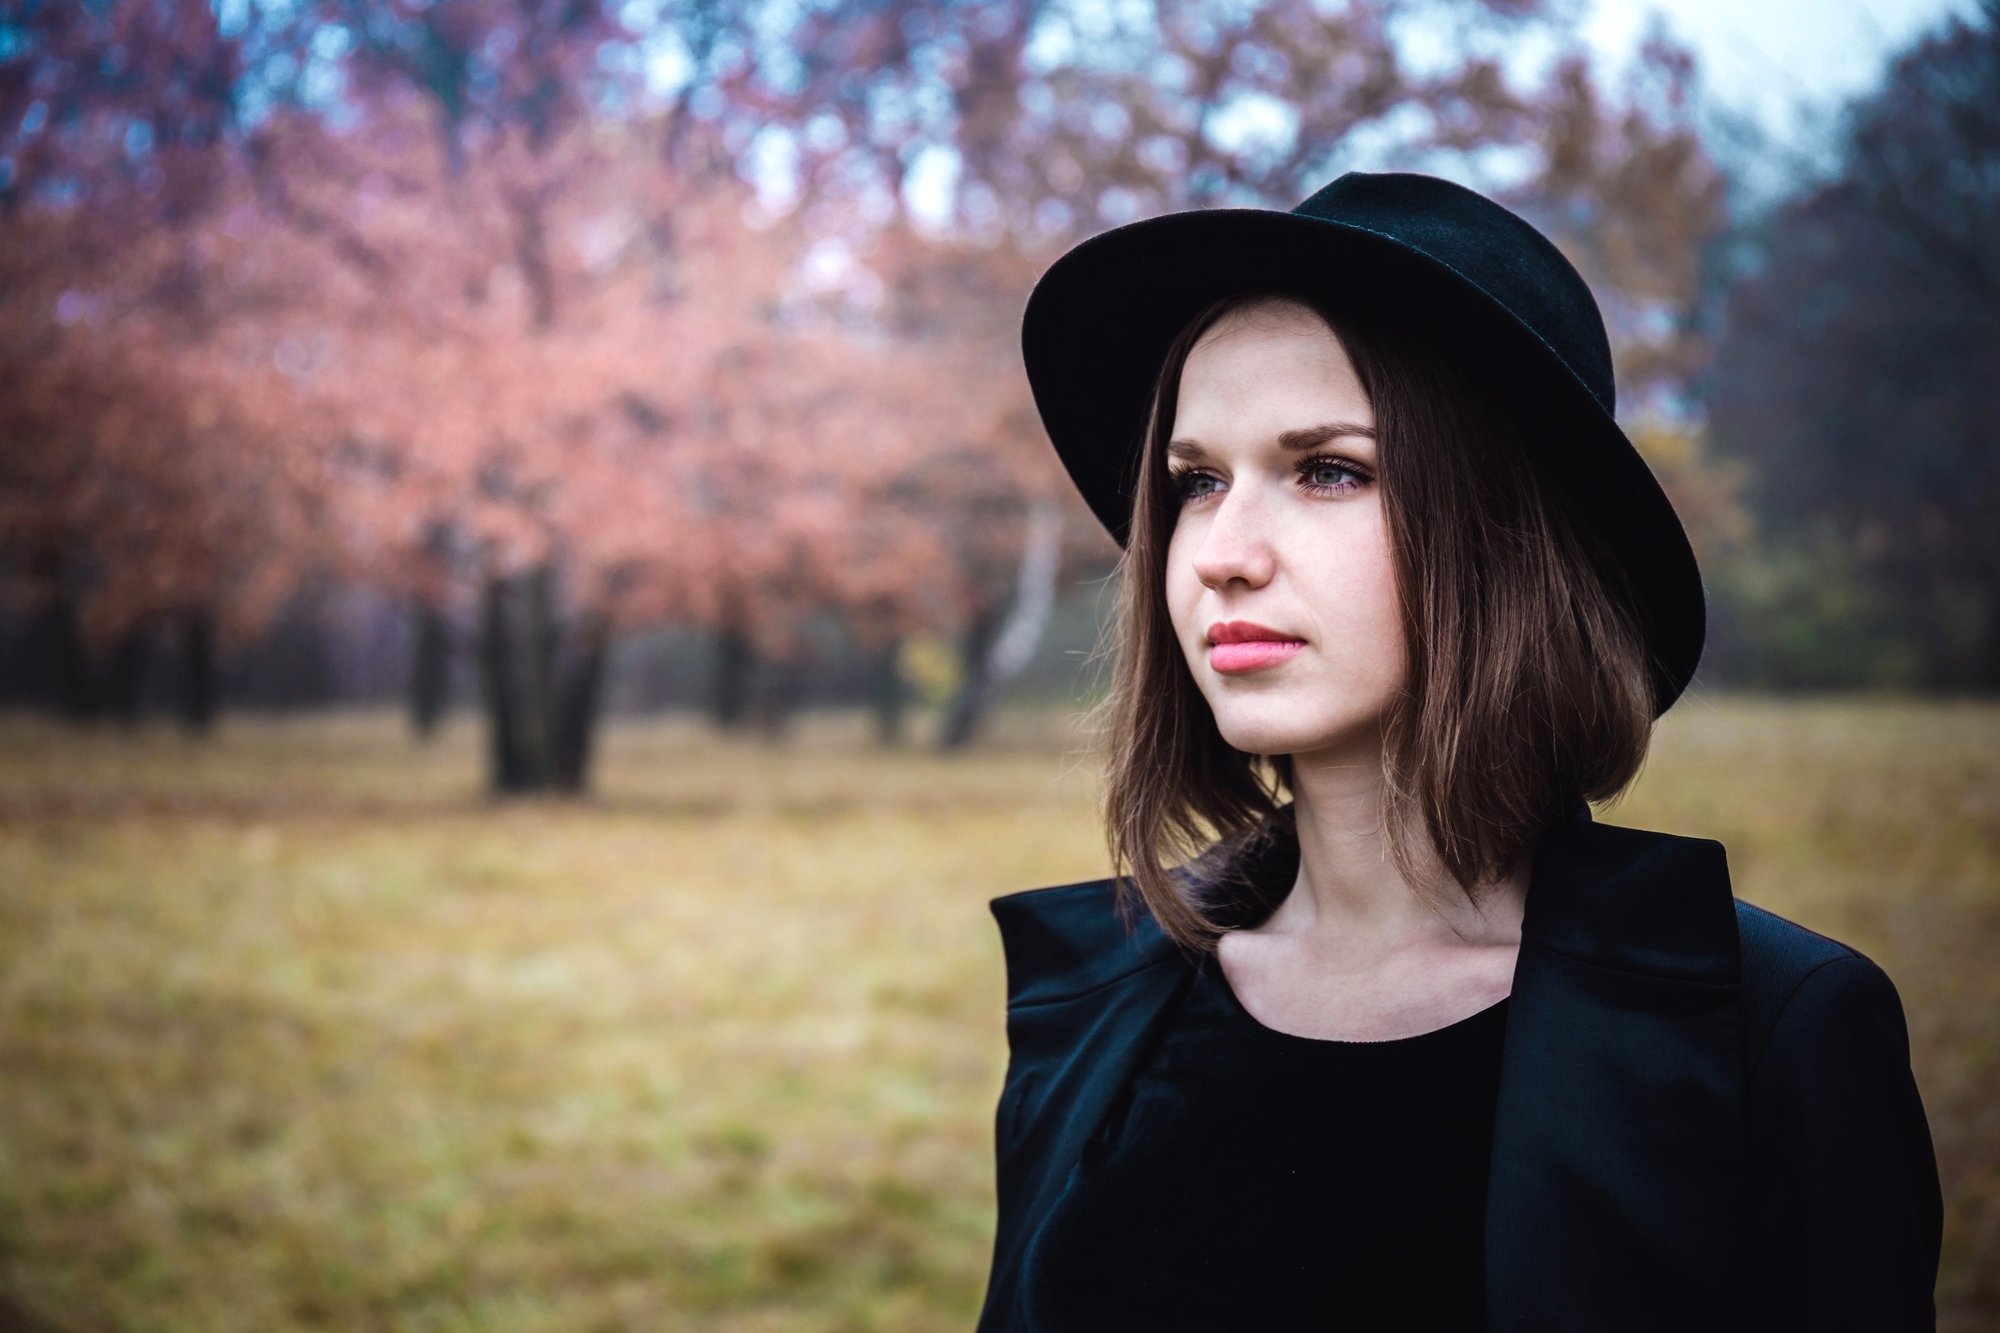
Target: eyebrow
pixel 1312 437
pixel 1294 441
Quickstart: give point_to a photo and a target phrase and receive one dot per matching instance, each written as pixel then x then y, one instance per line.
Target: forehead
pixel 1269 367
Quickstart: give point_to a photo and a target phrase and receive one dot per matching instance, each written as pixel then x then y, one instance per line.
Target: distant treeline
pixel 1857 382
pixel 340 647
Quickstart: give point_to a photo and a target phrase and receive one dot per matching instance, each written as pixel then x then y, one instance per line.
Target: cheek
pixel 1352 589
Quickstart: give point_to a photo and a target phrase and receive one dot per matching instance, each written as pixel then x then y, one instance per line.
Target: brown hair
pixel 1527 686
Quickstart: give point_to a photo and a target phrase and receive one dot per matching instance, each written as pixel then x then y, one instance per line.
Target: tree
pixel 569 371
pixel 644 431
pixel 130 492
pixel 1634 200
pixel 1857 378
pixel 506 389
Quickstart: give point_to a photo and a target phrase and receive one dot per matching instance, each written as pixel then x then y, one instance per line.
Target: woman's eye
pixel 1330 474
pixel 1198 485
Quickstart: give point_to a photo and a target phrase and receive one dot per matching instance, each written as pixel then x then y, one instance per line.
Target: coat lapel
pixel 1084 999
pixel 1616 1198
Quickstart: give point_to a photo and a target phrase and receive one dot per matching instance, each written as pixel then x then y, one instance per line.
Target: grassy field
pixel 299 1031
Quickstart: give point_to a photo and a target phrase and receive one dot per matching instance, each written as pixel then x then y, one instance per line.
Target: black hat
pixel 1479 281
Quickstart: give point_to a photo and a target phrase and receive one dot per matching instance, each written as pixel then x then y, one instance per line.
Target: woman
pixel 1421 1046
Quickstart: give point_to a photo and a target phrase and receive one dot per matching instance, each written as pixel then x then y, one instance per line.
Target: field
pixel 300 1031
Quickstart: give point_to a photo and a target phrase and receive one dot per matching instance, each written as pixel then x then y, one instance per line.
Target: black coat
pixel 1706 1117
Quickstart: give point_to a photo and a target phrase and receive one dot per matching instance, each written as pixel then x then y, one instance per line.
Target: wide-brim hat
pixel 1477 281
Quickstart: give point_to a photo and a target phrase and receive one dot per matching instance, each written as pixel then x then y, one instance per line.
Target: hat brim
pixel 1099 323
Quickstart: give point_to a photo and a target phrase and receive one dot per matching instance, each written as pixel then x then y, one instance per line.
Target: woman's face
pixel 1279 577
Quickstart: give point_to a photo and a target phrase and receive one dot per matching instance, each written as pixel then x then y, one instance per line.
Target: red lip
pixel 1237 646
pixel 1247 631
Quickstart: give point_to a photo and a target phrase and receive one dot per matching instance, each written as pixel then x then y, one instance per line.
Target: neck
pixel 1349 888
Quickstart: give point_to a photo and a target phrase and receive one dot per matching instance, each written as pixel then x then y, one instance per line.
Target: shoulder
pixel 1803 987
pixel 1849 1215
pixel 1781 951
pixel 1066 941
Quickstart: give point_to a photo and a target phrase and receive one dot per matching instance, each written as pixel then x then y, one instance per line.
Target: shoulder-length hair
pixel 1526 689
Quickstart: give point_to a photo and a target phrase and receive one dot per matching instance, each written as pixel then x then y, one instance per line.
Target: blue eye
pixel 1195 484
pixel 1331 474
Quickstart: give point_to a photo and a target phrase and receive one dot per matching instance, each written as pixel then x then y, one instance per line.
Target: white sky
pixel 1785 63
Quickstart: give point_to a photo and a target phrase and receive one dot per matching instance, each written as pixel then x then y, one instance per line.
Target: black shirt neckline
pixel 1256 1179
pixel 1210 976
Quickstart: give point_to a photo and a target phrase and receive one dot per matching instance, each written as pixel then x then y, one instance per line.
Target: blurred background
pixel 535 609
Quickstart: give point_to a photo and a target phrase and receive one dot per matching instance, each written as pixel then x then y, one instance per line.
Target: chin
pixel 1275 726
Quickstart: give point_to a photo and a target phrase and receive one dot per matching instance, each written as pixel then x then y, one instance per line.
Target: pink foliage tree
pixel 469 307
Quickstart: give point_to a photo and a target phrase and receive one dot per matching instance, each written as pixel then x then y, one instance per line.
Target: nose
pixel 1234 550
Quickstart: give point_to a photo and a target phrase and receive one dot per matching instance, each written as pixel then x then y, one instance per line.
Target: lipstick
pixel 1240 646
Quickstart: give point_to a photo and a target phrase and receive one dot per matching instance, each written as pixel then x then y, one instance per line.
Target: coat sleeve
pixel 1846 1212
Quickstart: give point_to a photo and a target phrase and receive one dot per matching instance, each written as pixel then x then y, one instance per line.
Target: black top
pixel 1255 1179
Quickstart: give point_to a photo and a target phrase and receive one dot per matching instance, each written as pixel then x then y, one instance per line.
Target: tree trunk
pixel 199 683
pixel 430 669
pixel 887 694
pixel 72 675
pixel 578 700
pixel 542 704
pixel 968 706
pixel 535 728
pixel 496 662
pixel 124 673
pixel 995 651
pixel 735 664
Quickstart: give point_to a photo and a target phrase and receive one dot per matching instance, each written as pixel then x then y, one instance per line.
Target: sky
pixel 1785 64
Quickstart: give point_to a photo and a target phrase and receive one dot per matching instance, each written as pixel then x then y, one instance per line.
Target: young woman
pixel 1406 1041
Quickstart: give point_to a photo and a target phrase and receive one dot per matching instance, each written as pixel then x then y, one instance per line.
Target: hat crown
pixel 1488 246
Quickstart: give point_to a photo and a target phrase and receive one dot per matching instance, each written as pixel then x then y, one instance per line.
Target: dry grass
pixel 297 1030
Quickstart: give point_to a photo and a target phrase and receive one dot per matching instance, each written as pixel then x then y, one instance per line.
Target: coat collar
pixel 1615 1199
pixel 1647 904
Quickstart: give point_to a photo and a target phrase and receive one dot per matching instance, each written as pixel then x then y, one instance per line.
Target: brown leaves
pixel 1633 198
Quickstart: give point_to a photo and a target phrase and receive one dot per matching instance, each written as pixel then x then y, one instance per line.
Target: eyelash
pixel 1358 476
